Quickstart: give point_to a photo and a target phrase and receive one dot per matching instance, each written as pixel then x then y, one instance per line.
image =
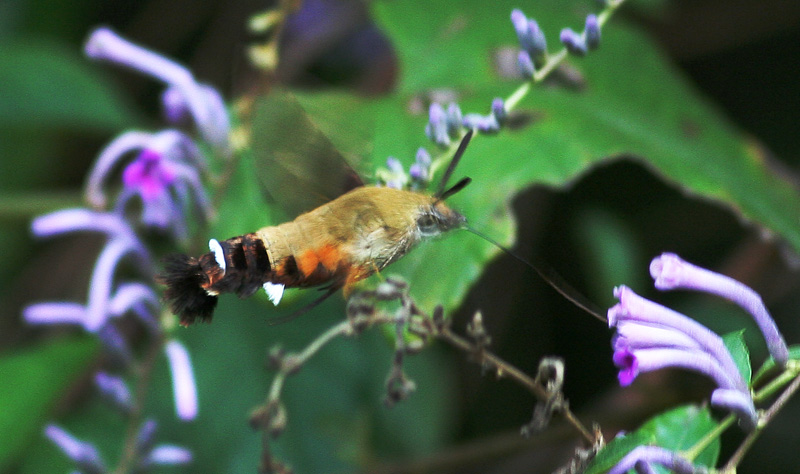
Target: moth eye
pixel 427 224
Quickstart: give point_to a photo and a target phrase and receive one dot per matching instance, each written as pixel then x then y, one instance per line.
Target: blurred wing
pixel 297 164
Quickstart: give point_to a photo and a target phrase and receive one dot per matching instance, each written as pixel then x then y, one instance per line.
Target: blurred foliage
pixel 589 133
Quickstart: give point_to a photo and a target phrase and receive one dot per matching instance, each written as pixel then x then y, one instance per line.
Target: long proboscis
pixel 551 276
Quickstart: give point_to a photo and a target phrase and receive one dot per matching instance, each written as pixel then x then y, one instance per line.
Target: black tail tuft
pixel 185 296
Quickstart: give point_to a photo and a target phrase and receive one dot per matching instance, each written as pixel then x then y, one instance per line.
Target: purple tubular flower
pixel 168 455
pixel 202 102
pixel 139 299
pixel 592 32
pixel 525 65
pixel 166 162
pixel 453 120
pixel 531 38
pixel 574 43
pixel 653 455
pixel 394 165
pixel 183 386
pixel 84 454
pixel 670 272
pixel 651 337
pixel 419 171
pixel 633 310
pixel 437 128
pixel 396 178
pixel 739 403
pixel 423 158
pixel 499 110
pixel 114 390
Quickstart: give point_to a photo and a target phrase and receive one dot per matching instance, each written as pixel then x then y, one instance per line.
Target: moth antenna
pixel 461 184
pixel 551 276
pixel 452 166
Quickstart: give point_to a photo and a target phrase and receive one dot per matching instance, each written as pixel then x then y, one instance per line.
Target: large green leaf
pixel 633 105
pixel 676 430
pixel 44 85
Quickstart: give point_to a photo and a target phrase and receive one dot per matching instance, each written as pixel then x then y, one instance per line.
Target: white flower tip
pixel 274 291
pixel 98 40
pixel 665 270
pixel 219 254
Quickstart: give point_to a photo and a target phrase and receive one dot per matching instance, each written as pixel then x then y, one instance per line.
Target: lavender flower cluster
pixel 651 337
pixel 447 126
pixel 162 171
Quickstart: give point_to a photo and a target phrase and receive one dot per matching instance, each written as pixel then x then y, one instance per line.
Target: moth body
pixel 337 244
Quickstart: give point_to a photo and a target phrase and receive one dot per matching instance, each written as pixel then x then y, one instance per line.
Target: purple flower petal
pixel 84 454
pixel 55 313
pixel 183 386
pixel 115 390
pixel 670 272
pixel 525 65
pixel 697 361
pixel 110 156
pixel 74 220
pixel 644 336
pixel 650 455
pixel 169 455
pixel 739 403
pixel 206 107
pixel 626 360
pixel 592 31
pixel 574 43
pixel 633 308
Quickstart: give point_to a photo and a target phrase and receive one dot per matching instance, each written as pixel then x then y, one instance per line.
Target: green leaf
pixel 43 85
pixel 632 104
pixel 676 430
pixel 741 355
pixel 33 381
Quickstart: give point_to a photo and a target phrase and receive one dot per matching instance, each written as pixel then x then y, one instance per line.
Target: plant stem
pixel 736 458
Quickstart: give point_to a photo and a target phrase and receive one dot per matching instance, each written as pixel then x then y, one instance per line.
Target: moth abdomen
pixel 238 265
pixel 185 294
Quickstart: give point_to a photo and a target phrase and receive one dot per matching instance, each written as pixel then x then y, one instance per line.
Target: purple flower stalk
pixel 183 386
pixel 670 272
pixel 651 337
pixel 186 95
pixel 642 457
pixel 83 454
pixel 101 304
